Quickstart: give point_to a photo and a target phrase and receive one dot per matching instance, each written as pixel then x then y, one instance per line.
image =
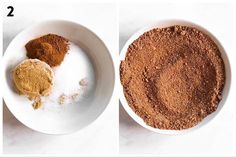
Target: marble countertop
pixel 218 136
pixel 101 137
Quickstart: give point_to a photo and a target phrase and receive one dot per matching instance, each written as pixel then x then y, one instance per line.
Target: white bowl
pixel 88 57
pixel 168 23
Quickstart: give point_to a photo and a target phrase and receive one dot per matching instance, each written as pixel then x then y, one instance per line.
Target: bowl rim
pixel 225 92
pixel 45 22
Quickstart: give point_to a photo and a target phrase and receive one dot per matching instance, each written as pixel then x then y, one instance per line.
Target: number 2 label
pixel 10 14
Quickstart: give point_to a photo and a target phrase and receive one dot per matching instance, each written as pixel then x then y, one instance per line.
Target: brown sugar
pixel 34 79
pixel 49 48
pixel 83 82
pixel 173 77
pixel 62 98
pixel 37 104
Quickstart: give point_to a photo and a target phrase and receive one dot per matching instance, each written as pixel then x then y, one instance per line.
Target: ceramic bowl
pixel 88 57
pixel 168 23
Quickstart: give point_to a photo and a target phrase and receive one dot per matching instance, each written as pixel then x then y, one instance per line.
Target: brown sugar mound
pixel 33 78
pixel 49 48
pixel 173 77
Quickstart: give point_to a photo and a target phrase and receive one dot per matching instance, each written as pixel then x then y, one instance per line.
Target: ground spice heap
pixel 49 48
pixel 173 77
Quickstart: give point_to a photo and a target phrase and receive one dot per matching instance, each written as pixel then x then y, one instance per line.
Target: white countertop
pixel 218 136
pixel 101 137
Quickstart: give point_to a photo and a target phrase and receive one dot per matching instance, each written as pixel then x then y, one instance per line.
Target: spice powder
pixel 173 77
pixel 50 48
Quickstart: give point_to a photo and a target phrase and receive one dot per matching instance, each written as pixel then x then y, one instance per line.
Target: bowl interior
pixel 88 58
pixel 168 23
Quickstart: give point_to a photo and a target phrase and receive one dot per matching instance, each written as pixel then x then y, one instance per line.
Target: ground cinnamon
pixel 173 77
pixel 49 48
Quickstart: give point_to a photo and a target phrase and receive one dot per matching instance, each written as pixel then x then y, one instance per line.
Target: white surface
pixel 93 62
pixel 1 90
pixel 218 136
pixel 101 136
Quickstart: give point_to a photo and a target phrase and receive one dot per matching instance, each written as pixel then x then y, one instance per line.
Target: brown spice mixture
pixel 49 48
pixel 173 77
